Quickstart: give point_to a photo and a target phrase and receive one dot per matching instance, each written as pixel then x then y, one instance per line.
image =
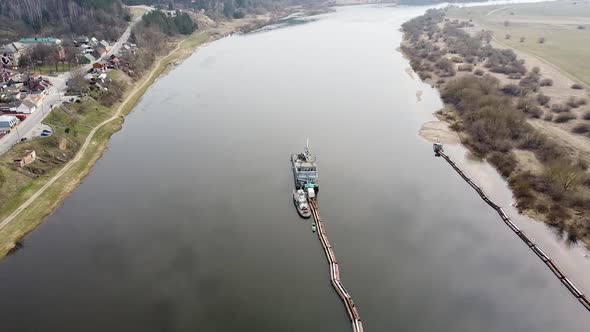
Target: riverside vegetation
pixel 549 179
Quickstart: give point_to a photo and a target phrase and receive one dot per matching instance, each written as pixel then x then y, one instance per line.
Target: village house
pixel 100 51
pixel 7 122
pixel 103 43
pixel 10 54
pixel 38 84
pixel 86 49
pixel 100 65
pixel 10 107
pixel 82 40
pixel 27 107
pixel 28 158
pixel 113 61
pixel 9 94
pixel 30 104
pixel 93 42
pixel 5 76
pixel 86 59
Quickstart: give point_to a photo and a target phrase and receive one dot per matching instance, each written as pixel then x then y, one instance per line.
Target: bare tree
pixel 77 83
pixel 565 174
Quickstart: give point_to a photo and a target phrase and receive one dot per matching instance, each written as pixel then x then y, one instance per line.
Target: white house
pixel 29 105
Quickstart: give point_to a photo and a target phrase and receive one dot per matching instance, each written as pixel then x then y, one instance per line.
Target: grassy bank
pixel 38 189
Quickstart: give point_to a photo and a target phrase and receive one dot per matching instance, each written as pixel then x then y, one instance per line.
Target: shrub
pixel 557 214
pixel 466 67
pixel 504 162
pixel 548 117
pixel 541 40
pixel 457 59
pixel 511 90
pixel 488 116
pixel 530 82
pixel 521 186
pixel 581 128
pixel 507 36
pixel 446 66
pixel 536 70
pixel 564 117
pixel 560 108
pixel 577 86
pixel 586 115
pixel 470 59
pixel 478 72
pixel 573 102
pixel 546 82
pixel 522 39
pixel 543 99
pixel 424 75
pixel 582 101
pixel 534 111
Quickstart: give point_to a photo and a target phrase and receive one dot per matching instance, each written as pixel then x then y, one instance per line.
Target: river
pixel 186 223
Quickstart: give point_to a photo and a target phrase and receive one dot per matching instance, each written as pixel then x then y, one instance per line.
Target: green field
pixel 565 25
pixel 71 128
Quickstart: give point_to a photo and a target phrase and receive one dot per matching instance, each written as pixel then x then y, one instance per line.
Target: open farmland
pixel 564 26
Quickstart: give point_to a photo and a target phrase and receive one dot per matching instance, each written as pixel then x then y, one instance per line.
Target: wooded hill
pixel 224 8
pixel 104 19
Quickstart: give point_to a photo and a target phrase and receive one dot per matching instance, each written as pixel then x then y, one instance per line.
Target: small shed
pixel 28 158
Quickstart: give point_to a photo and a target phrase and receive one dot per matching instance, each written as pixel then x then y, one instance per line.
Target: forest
pixel 179 24
pixel 224 8
pixel 104 19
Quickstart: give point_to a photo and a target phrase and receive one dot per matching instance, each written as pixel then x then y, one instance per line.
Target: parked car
pixel 23 139
pixel 67 102
pixel 44 134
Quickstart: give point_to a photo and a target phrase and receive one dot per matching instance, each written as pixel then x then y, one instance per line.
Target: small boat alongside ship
pixel 300 201
pixel 305 175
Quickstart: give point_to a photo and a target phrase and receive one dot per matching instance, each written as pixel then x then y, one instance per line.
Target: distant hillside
pixel 105 19
pixel 430 2
pixel 224 8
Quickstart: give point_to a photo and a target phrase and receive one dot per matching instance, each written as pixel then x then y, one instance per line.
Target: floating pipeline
pixel 355 318
pixel 521 234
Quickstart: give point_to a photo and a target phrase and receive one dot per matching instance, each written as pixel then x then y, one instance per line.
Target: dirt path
pixel 71 163
pixel 497 10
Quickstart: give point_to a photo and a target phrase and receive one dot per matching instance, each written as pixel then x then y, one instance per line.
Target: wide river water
pixel 187 222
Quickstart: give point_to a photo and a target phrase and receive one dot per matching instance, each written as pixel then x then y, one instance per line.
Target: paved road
pixel 57 94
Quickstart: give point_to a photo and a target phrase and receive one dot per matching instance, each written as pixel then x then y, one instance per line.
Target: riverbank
pixel 39 198
pixel 499 106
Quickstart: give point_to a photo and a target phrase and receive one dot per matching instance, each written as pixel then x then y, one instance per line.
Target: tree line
pixel 105 19
pixel 224 8
pixel 181 23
